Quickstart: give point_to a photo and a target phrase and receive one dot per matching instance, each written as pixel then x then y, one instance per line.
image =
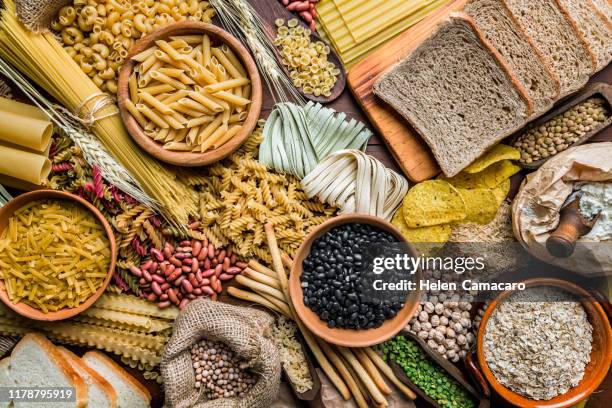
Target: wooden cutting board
pixel 410 151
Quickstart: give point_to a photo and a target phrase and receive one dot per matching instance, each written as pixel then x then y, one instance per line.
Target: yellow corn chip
pixel 480 204
pixel 491 177
pixel 432 202
pixel 431 234
pixel 495 155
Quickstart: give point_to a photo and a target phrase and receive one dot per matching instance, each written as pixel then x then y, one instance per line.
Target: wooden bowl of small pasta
pixel 57 255
pixel 189 94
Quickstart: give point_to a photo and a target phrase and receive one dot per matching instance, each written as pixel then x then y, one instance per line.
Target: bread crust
pixel 535 49
pixel 578 32
pixel 499 58
pixel 120 372
pixel 102 383
pixel 80 386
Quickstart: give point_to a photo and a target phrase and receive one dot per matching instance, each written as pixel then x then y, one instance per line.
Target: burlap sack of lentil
pixel 246 331
pixel 37 15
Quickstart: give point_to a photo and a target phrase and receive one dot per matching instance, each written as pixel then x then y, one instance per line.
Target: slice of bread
pixel 593 27
pixel 558 40
pixel 36 362
pixel 501 29
pixel 4 378
pixel 130 392
pixel 457 92
pixel 100 394
pixel 605 8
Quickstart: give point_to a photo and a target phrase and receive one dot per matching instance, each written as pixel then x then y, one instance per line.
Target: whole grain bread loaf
pixel 501 29
pixel 593 26
pixel 457 92
pixel 557 38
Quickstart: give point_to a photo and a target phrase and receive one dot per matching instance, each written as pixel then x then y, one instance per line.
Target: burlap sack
pixel 246 331
pixel 37 15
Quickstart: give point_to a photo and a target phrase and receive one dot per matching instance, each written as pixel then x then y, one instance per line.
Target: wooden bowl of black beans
pixel 326 283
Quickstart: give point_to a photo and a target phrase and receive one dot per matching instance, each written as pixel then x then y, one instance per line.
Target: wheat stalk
pixel 241 19
pixel 93 151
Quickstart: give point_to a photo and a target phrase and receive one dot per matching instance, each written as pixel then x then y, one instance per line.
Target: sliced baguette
pixel 99 391
pixel 457 92
pixel 557 38
pixel 36 362
pixel 502 30
pixel 130 392
pixel 593 27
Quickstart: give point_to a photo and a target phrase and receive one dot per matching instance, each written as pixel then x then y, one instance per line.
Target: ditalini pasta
pixel 189 95
pixel 53 254
pixel 24 125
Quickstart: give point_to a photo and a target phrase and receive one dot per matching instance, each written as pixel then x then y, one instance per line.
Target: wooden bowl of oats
pixel 533 345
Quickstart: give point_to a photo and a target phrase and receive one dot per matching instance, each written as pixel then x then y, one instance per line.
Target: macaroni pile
pixel 53 254
pixel 305 60
pixel 189 95
pixel 97 34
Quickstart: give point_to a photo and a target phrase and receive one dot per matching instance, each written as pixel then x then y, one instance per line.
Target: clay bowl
pixel 597 368
pixel 16 203
pixel 347 337
pixel 190 159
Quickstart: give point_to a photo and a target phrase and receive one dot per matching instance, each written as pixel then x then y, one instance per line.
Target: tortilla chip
pixel 431 234
pixel 432 202
pixel 491 177
pixel 495 155
pixel 501 191
pixel 481 205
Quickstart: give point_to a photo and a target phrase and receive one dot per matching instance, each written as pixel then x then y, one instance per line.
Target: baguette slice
pixel 99 391
pixel 36 362
pixel 130 392
pixel 457 92
pixel 593 27
pixel 605 8
pixel 556 37
pixel 502 30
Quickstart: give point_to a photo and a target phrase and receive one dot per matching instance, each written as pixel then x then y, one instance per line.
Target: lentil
pixel 332 279
pixel 559 133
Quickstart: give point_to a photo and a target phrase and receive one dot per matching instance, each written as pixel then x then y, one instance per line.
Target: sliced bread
pixel 36 362
pixel 4 378
pixel 130 392
pixel 503 32
pixel 593 27
pixel 605 8
pixel 457 92
pixel 558 40
pixel 100 394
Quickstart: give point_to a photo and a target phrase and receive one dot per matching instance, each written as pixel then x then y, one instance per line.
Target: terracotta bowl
pixel 190 159
pixel 347 337
pixel 596 370
pixel 7 212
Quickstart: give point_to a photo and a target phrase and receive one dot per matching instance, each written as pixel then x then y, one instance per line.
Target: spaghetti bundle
pixel 44 60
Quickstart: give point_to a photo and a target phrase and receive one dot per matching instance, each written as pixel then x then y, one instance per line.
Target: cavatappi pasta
pixel 306 61
pixel 54 254
pixel 189 95
pixel 98 33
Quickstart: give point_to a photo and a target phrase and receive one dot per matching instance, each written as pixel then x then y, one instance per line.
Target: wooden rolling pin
pixel 572 225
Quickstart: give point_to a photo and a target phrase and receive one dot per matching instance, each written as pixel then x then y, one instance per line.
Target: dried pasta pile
pixel 97 34
pixel 189 94
pixel 124 325
pixel 239 194
pixel 53 254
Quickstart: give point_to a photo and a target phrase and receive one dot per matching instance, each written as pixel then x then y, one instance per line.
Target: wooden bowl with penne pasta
pixel 189 94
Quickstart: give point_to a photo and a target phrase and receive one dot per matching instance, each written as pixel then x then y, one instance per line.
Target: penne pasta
pixel 231 98
pixel 189 95
pixel 154 117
